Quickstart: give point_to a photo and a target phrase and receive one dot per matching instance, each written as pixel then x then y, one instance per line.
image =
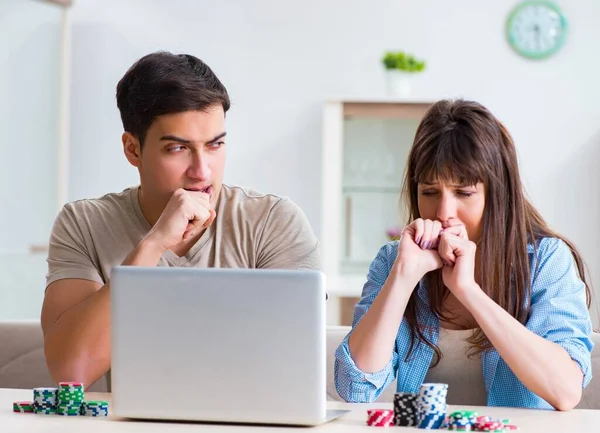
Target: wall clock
pixel 536 29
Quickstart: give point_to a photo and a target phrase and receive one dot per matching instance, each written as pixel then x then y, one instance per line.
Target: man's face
pixel 184 150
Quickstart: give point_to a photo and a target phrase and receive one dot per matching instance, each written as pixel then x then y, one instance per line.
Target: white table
pixel 528 420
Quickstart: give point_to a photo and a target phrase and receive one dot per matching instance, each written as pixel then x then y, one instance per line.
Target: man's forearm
pixel 77 345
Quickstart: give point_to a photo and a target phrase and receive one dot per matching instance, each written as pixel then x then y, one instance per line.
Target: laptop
pixel 219 345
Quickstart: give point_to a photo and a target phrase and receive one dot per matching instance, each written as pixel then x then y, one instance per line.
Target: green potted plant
pixel 400 68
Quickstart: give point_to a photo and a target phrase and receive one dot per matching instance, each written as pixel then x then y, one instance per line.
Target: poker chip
pixel 427 409
pixel 431 405
pixel 66 400
pixel 23 406
pixel 94 408
pixel 45 395
pixel 405 409
pixel 491 426
pixel 45 401
pixel 380 417
pixel 70 398
pixel 463 420
pixel 45 410
pixel 68 384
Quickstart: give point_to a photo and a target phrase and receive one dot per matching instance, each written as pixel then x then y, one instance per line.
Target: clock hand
pixel 536 29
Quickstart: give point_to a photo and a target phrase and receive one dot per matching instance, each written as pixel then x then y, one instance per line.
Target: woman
pixel 479 271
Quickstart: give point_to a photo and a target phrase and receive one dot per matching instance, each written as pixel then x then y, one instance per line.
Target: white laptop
pixel 219 345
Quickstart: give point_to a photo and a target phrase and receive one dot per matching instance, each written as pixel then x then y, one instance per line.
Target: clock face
pixel 536 29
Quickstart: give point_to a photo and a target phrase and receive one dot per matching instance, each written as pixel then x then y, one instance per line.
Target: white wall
pixel 29 75
pixel 29 101
pixel 281 59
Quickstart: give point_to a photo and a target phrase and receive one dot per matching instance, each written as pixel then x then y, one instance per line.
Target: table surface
pixel 527 420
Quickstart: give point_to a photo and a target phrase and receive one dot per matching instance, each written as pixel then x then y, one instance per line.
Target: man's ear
pixel 132 149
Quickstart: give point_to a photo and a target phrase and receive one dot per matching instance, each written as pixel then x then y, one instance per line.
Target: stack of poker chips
pixel 405 409
pixel 488 424
pixel 65 400
pixel 23 406
pixel 466 420
pixel 45 400
pixel 463 420
pixel 70 398
pixel 432 405
pixel 94 408
pixel 380 417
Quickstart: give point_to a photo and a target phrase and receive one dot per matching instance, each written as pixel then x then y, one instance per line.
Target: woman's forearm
pixel 372 341
pixel 544 367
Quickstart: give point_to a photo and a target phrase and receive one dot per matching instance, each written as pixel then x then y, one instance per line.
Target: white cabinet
pixel 365 149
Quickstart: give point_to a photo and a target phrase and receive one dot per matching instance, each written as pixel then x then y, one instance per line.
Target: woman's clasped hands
pixel 427 245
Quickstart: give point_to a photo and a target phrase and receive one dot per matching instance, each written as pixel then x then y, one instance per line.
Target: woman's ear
pixel 132 149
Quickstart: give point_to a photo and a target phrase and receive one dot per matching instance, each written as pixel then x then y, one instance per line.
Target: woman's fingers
pixel 461 247
pixel 445 249
pixel 426 241
pixel 427 233
pixel 419 226
pixel 453 246
pixel 435 234
pixel 458 230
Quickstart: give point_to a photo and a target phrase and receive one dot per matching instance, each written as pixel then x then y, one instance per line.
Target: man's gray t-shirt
pixel 251 230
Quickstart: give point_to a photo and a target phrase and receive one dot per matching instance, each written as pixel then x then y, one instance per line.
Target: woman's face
pixel 453 204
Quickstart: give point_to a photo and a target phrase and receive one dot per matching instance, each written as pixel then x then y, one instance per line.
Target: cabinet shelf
pixel 366 145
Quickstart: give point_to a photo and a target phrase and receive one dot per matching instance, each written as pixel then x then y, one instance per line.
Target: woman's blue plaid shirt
pixel 558 313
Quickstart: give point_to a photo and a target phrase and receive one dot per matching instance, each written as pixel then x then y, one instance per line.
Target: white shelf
pixel 383 100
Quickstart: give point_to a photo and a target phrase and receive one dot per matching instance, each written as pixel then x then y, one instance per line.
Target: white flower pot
pixel 399 82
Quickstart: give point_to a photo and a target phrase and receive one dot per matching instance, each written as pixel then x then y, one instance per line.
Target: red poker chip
pixel 380 417
pixel 66 384
pixel 490 425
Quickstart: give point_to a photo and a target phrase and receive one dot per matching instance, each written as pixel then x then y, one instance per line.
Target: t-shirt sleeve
pixel 287 240
pixel 68 255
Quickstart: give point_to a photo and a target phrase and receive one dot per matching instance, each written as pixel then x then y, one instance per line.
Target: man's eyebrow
pixel 185 141
pixel 218 137
pixel 174 138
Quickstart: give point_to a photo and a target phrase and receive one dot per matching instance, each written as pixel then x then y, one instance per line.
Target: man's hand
pixel 186 214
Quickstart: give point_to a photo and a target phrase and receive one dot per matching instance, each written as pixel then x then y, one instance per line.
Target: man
pixel 173 112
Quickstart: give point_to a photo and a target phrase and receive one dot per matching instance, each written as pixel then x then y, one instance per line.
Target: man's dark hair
pixel 166 83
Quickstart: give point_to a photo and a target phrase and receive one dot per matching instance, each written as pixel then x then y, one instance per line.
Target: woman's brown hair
pixel 461 141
